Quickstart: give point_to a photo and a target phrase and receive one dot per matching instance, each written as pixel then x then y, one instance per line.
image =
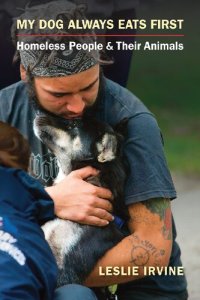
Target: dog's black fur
pixel 77 143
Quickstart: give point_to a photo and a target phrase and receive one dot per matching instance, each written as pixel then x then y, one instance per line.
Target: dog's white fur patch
pixel 36 130
pixel 63 139
pixel 77 145
pixel 61 235
pixel 61 175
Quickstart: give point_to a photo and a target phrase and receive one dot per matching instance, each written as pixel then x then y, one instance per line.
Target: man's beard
pixel 36 105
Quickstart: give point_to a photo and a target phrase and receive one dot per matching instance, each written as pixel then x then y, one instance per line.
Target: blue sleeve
pixel 26 194
pixel 42 200
pixel 149 176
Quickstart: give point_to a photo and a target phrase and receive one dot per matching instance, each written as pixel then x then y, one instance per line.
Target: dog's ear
pixel 51 136
pixel 107 148
pixel 42 129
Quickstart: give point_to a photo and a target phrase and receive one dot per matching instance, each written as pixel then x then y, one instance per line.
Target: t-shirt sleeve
pixel 9 104
pixel 149 176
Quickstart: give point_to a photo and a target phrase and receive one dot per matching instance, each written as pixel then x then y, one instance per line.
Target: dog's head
pixel 77 142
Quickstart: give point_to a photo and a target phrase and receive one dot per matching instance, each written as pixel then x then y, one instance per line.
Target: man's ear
pixel 23 73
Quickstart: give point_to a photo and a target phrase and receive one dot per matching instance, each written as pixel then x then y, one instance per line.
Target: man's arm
pixel 148 245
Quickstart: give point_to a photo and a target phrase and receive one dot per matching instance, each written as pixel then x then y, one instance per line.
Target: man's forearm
pixel 128 261
pixel 149 245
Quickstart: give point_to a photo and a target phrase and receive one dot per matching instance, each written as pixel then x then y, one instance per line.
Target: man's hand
pixel 79 201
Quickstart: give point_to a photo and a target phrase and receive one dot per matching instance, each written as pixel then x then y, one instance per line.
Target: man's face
pixel 68 96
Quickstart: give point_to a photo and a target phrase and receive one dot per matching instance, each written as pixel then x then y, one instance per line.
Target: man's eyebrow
pixel 68 93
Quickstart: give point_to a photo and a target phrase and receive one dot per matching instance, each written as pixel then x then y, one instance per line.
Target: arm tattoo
pixel 161 207
pixel 167 228
pixel 139 256
pixel 142 250
pixel 157 206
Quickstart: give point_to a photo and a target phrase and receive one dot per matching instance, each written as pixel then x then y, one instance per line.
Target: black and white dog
pixel 77 143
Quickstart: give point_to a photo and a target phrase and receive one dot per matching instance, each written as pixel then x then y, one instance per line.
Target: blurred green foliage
pixel 168 83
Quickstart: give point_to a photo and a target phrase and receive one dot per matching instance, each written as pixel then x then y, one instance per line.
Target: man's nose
pixel 76 104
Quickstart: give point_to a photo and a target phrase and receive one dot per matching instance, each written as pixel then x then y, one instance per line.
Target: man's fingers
pixel 83 173
pixel 95 190
pixel 102 214
pixel 95 221
pixel 102 204
pixel 102 193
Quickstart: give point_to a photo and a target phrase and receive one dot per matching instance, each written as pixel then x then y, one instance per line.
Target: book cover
pixel 150 48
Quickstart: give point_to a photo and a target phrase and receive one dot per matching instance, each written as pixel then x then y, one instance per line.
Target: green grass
pixel 168 83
